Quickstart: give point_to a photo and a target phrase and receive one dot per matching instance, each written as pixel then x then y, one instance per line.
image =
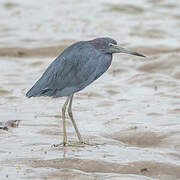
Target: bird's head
pixel 109 46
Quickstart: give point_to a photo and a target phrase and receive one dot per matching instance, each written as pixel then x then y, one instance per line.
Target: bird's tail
pixel 31 93
pixel 35 91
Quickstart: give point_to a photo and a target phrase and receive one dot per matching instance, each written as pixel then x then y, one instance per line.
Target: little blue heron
pixel 74 69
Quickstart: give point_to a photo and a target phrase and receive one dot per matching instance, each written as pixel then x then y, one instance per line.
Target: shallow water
pixel 132 111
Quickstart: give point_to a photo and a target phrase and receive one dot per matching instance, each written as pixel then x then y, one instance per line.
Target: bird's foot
pixel 59 145
pixel 75 144
pixel 89 143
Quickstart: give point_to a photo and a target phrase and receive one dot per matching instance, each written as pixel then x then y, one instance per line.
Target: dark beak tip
pixel 141 55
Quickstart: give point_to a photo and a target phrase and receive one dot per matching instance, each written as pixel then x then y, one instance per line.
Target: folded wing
pixel 71 71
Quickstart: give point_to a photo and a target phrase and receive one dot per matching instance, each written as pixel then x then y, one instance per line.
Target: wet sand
pixel 132 111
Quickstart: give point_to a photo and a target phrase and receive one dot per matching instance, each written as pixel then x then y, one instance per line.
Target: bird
pixel 74 69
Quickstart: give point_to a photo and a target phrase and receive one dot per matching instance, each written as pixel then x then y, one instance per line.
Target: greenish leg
pixel 72 119
pixel 64 121
pixel 81 142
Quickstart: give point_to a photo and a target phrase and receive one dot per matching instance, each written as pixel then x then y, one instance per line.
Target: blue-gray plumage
pixel 74 69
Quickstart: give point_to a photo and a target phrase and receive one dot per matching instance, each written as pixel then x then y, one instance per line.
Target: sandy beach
pixel 132 112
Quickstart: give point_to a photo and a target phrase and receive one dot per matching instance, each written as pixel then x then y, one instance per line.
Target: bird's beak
pixel 118 49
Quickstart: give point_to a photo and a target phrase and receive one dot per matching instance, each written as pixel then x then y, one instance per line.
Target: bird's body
pixel 74 69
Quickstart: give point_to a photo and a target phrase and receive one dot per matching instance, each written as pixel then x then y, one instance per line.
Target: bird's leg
pixel 64 121
pixel 81 142
pixel 64 124
pixel 72 119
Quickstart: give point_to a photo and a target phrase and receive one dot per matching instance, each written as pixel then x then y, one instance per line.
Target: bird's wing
pixel 73 70
pixel 55 73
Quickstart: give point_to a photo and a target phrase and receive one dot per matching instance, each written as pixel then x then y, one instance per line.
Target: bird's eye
pixel 111 45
